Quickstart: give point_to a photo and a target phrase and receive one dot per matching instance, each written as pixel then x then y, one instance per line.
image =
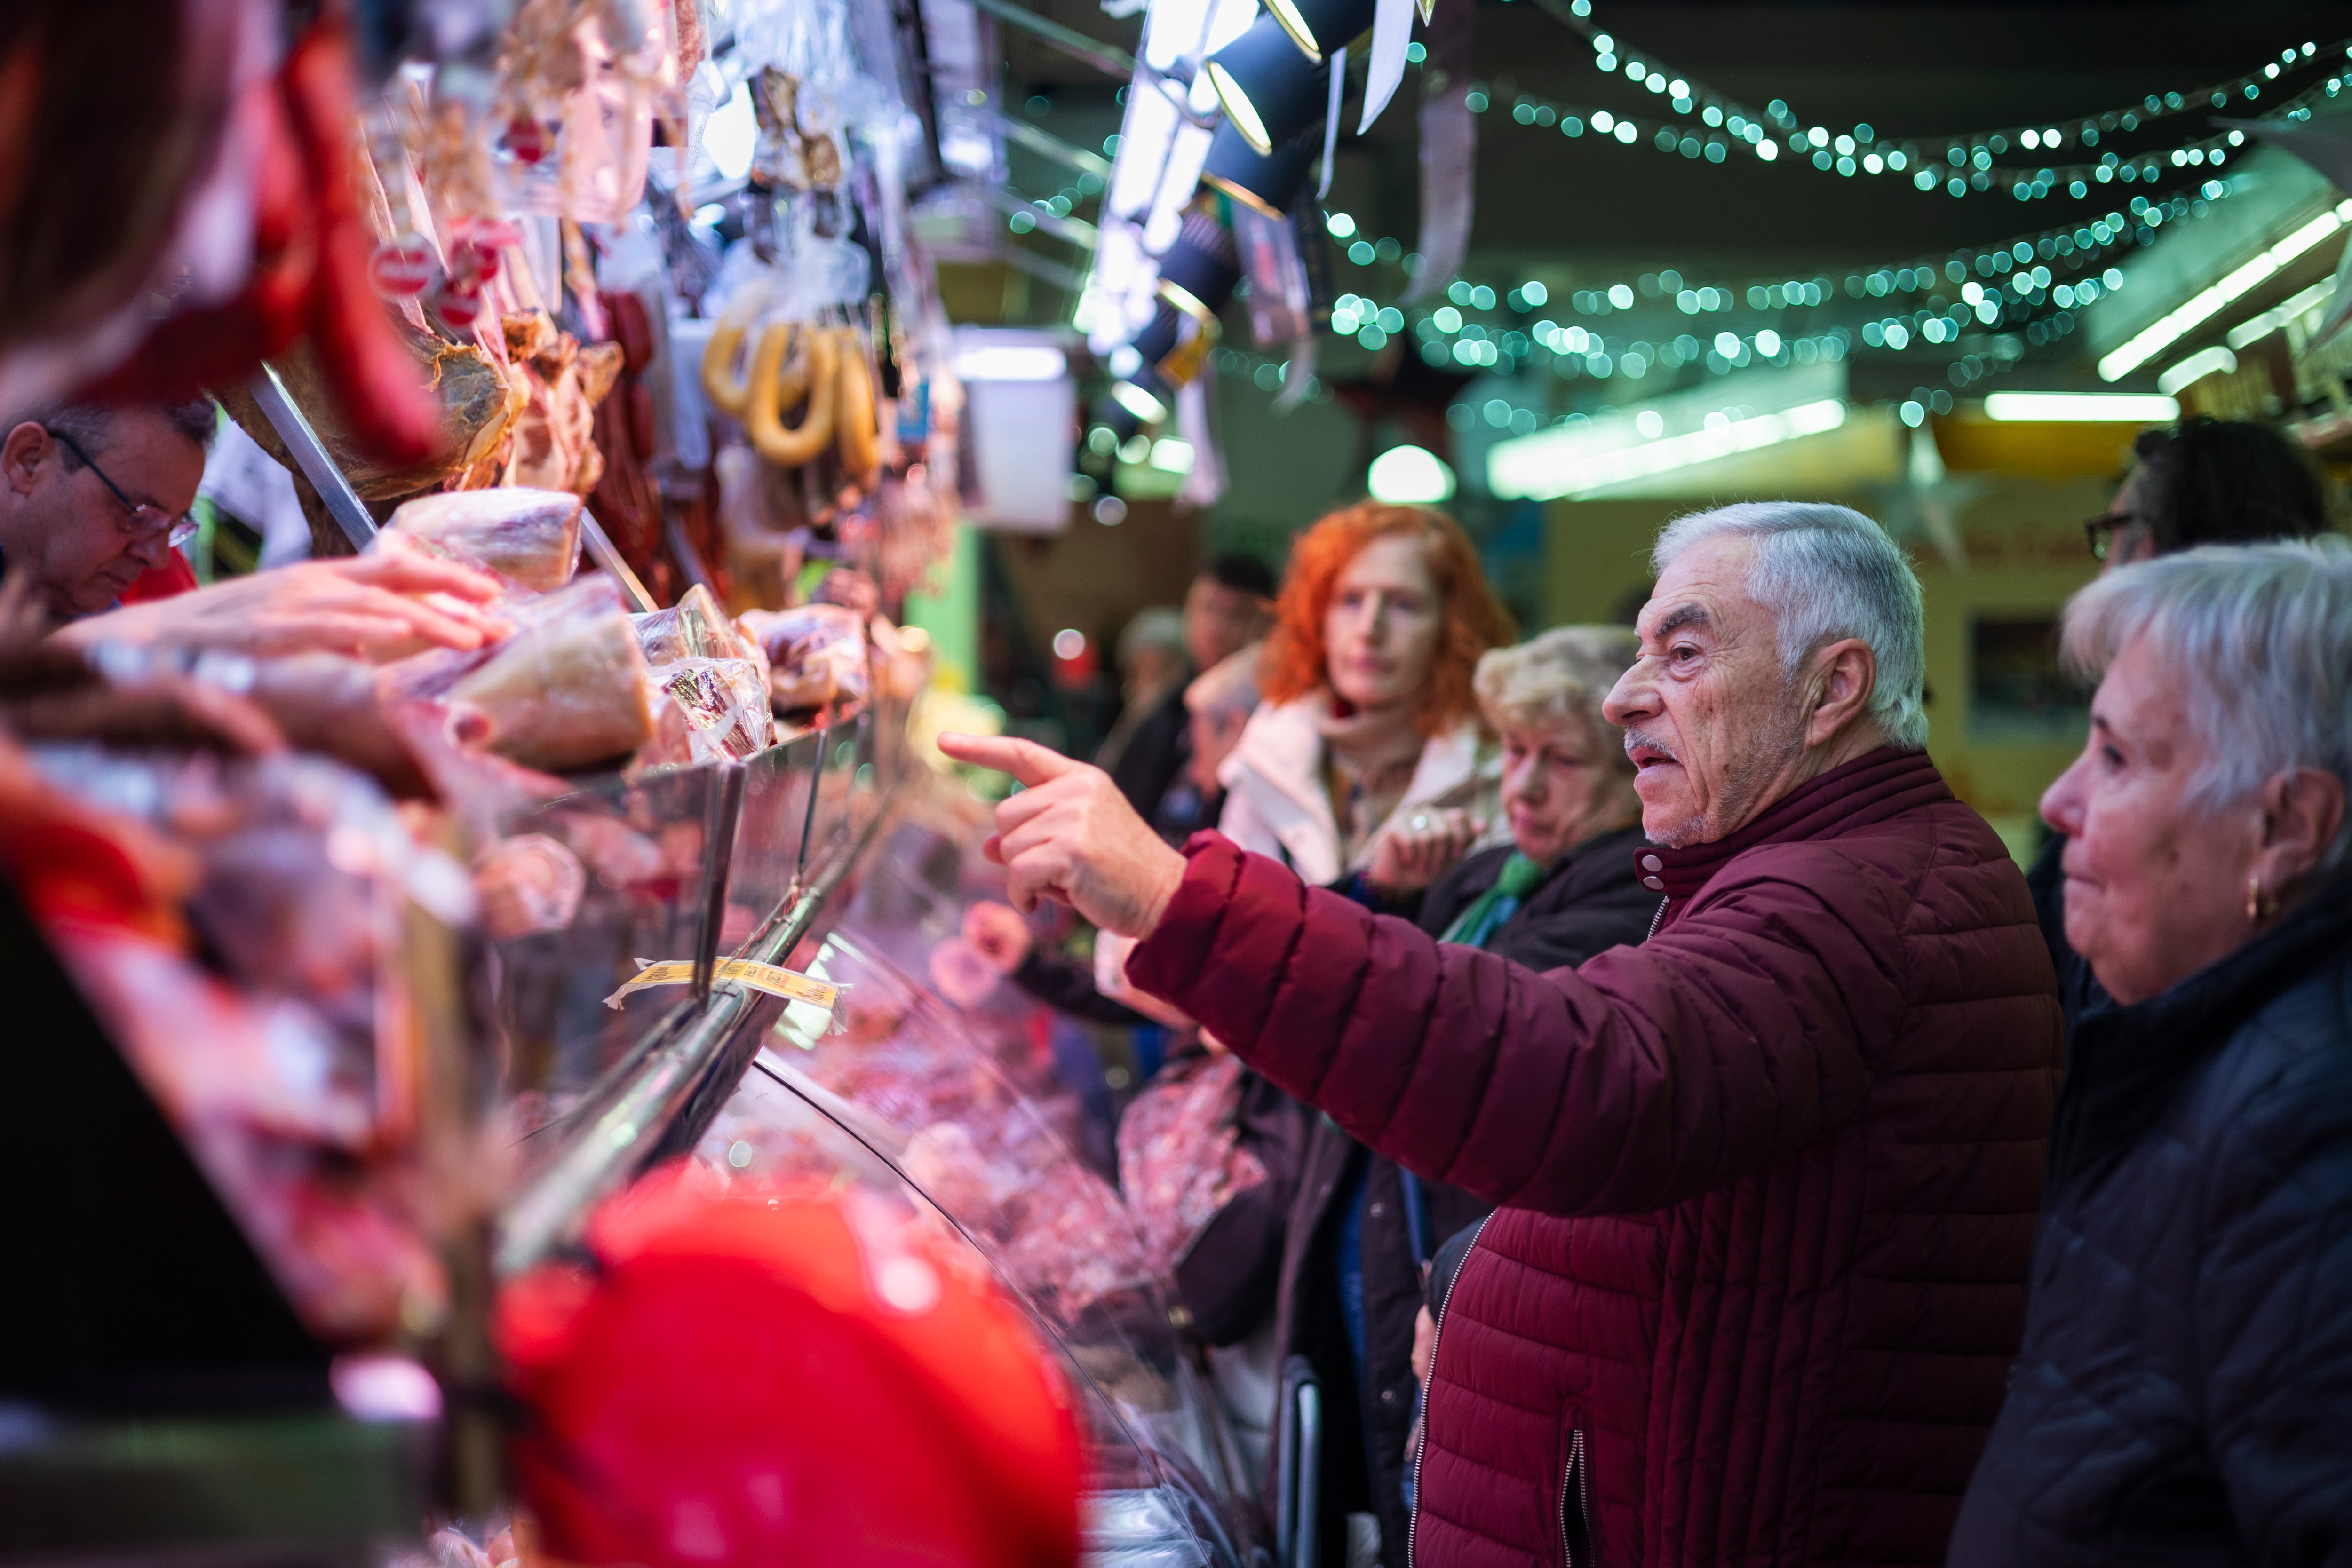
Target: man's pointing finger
pixel 1024 760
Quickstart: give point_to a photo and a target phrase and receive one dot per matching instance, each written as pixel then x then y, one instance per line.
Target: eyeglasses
pixel 2101 532
pixel 145 520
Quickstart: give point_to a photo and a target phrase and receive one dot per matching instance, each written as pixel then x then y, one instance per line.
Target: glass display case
pixel 961 1110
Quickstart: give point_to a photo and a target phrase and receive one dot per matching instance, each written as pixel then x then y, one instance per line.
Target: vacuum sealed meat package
pixel 693 628
pixel 568 689
pixel 710 709
pixel 816 654
pixel 531 538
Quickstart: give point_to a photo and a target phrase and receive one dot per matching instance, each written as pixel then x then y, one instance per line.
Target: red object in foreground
pixel 783 1376
pixel 311 272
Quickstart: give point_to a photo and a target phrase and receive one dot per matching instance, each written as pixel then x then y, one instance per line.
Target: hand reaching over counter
pixel 374 606
pixel 1071 836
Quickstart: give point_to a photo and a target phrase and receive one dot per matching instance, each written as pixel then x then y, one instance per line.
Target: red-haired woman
pixel 1369 716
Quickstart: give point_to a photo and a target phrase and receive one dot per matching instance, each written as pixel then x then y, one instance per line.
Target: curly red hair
pixel 1294 661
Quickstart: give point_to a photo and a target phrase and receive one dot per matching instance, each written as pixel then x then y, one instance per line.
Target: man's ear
pixel 1844 674
pixel 22 451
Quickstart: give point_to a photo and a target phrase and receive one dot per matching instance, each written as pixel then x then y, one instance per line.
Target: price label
pixel 788 983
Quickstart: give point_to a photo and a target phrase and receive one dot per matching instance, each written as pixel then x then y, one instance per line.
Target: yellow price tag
pixel 788 984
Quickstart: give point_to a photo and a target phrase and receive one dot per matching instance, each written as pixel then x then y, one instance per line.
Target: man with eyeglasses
pixel 91 499
pixel 94 498
pixel 2200 482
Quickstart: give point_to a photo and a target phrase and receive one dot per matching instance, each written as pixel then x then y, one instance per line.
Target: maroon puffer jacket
pixel 1769 1179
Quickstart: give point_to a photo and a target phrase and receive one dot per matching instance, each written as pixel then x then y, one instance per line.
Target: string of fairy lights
pixel 1959 165
pixel 1983 305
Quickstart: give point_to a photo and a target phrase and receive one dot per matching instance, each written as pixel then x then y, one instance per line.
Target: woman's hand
pixel 998 934
pixel 1424 1343
pixel 1071 836
pixel 1416 851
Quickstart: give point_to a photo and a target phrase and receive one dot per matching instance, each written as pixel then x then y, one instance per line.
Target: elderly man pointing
pixel 1768 1180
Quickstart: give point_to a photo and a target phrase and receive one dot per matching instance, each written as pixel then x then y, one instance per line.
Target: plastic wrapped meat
pixel 286 1079
pixel 530 537
pixel 693 628
pixel 816 654
pixel 567 690
pixel 1178 1157
pixel 709 709
pixel 527 884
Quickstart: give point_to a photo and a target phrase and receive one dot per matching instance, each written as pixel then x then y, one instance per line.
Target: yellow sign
pixel 777 982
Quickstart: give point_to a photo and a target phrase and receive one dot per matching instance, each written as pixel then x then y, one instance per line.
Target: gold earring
pixel 2259 905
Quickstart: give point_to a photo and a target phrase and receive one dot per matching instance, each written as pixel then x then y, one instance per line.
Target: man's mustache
pixel 1634 736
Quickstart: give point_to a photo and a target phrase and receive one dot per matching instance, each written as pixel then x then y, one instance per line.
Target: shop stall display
pixel 398 979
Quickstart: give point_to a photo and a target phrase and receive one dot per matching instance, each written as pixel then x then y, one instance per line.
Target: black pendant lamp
pixel 1267 183
pixel 1270 90
pixel 1197 273
pixel 1319 26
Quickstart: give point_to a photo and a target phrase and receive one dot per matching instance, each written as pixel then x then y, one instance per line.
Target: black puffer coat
pixel 2184 1390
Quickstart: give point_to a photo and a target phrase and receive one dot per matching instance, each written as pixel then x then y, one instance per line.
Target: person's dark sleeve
pixel 1066 986
pixel 1444 1264
pixel 1156 753
pixel 2078 990
pixel 1228 1278
pixel 1648 1075
pixel 2274 1309
pixel 1459 887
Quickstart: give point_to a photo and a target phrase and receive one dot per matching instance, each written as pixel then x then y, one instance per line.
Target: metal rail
pixel 1109 59
pixel 602 1155
pixel 342 502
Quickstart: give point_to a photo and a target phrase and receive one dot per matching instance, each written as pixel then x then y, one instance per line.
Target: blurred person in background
pixel 1151 664
pixel 2186 1384
pixel 1217 709
pixel 1767 1182
pixel 1225 611
pixel 1564 888
pixel 1369 717
pixel 2200 482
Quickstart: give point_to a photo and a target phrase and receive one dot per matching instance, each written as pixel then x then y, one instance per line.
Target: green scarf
pixel 1487 911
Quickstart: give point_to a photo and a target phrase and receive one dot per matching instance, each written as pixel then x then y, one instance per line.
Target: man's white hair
pixel 1828 573
pixel 2258 642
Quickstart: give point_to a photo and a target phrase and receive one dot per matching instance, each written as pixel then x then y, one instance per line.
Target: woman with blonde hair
pixel 1369 718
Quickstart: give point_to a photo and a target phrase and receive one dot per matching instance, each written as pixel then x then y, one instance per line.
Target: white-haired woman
pixel 2185 1392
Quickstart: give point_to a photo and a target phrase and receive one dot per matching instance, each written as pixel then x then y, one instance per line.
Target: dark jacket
pixel 1066 986
pixel 2078 990
pixel 1155 756
pixel 2185 1392
pixel 1770 1179
pixel 1591 901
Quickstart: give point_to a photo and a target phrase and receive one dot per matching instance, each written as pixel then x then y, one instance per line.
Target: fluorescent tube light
pixel 2206 303
pixel 2082 408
